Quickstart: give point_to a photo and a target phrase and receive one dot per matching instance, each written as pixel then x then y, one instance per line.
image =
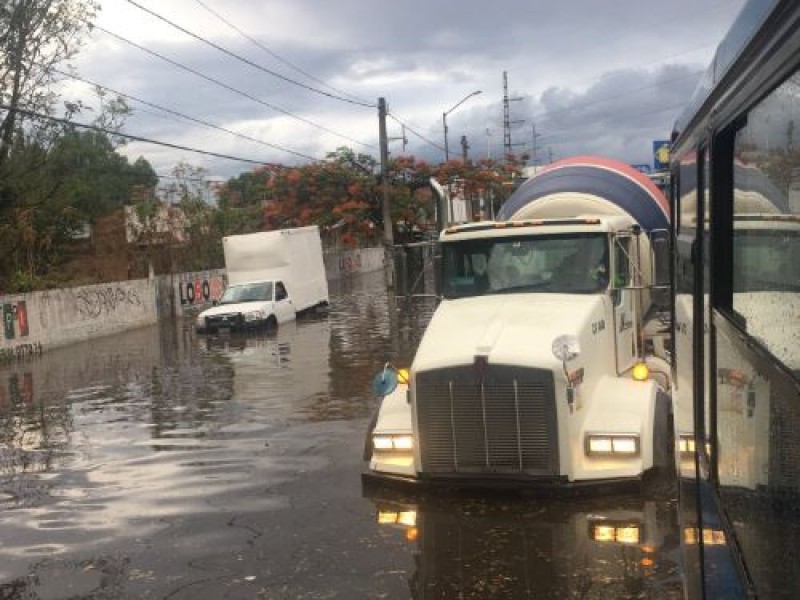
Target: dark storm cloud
pixel 595 76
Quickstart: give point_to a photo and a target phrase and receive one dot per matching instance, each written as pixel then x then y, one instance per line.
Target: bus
pixel 735 194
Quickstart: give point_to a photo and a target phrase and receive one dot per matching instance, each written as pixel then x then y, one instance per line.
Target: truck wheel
pixel 271 324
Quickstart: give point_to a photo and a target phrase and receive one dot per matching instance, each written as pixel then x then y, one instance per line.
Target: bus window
pixel 766 240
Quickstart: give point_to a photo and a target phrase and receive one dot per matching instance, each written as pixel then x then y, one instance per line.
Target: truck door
pixel 284 309
pixel 624 302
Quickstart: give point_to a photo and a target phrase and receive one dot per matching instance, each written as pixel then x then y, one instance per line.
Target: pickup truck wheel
pixel 271 324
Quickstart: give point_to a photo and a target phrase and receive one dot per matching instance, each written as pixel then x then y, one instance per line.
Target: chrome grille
pixel 504 425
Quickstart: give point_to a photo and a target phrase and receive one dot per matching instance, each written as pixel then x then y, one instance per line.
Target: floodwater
pixel 161 464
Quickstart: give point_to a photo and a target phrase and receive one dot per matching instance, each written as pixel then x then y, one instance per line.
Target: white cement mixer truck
pixel 546 361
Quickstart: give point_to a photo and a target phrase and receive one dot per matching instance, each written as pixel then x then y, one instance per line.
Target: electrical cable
pixel 249 62
pixel 276 56
pixel 230 88
pixel 183 116
pixel 136 138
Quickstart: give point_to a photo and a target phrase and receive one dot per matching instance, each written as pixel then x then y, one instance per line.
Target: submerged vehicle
pixel 272 277
pixel 546 361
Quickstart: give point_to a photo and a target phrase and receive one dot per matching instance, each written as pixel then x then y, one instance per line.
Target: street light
pixel 444 120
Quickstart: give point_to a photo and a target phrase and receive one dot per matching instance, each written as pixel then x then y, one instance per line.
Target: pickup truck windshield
pixel 566 263
pixel 250 292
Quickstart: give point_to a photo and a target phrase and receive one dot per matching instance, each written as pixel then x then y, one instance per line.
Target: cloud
pixel 594 76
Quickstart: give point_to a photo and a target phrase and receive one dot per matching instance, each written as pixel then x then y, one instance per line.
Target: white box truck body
pixel 272 277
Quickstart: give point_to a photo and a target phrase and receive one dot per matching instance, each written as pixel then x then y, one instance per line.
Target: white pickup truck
pixel 272 277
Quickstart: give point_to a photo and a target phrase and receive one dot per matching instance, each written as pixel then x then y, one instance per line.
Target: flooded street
pixel 162 464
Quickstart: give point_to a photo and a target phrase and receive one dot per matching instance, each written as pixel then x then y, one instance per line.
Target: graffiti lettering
pixel 15 312
pixel 18 390
pixel 19 351
pixel 349 262
pixel 201 290
pixel 93 303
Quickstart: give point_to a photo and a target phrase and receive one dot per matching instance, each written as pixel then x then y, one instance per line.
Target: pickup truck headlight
pixel 617 444
pixel 254 315
pixel 399 443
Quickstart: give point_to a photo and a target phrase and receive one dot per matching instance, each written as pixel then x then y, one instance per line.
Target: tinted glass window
pixel 766 241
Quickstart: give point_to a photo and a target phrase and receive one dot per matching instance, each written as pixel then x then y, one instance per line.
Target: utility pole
pixel 534 135
pixel 507 122
pixel 464 148
pixel 403 138
pixel 386 209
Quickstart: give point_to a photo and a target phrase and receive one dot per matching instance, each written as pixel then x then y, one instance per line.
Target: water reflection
pixel 160 464
pixel 121 439
pixel 614 547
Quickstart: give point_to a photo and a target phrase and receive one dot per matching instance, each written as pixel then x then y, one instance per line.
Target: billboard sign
pixel 660 155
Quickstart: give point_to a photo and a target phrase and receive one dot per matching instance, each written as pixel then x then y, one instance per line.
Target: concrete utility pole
pixel 464 148
pixel 386 209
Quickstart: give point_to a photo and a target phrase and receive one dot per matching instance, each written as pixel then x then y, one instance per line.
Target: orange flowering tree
pixel 342 194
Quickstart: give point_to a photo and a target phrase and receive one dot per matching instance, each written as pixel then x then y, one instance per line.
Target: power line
pixel 230 88
pixel 187 117
pixel 135 138
pixel 277 56
pixel 419 135
pixel 249 62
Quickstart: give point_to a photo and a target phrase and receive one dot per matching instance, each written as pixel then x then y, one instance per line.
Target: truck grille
pixel 504 425
pixel 230 320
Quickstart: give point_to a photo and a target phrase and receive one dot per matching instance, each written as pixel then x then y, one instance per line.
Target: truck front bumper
pixel 539 486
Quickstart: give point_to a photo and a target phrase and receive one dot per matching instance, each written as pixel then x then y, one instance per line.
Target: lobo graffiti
pixel 93 303
pixel 201 290
pixel 15 319
pixel 17 389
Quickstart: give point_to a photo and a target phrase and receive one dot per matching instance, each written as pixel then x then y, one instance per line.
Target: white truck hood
pixel 514 329
pixel 238 307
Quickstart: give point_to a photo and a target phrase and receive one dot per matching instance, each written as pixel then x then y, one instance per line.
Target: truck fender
pixel 663 432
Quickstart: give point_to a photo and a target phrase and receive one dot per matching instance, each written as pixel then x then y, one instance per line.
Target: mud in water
pixel 162 464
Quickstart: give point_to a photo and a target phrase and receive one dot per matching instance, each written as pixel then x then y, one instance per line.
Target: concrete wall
pixel 41 320
pixel 349 262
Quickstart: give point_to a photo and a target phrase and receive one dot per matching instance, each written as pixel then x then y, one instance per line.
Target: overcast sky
pixel 591 76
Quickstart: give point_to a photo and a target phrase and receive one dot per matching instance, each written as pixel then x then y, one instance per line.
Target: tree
pixel 36 35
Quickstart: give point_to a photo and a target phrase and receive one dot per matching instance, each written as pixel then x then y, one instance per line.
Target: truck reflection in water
pixel 501 547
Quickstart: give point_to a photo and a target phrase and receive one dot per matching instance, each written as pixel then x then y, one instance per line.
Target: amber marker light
pixel 641 372
pixel 402 375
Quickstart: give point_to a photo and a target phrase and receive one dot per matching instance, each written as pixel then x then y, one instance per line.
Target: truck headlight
pixel 621 533
pixel 401 443
pixel 602 444
pixel 254 315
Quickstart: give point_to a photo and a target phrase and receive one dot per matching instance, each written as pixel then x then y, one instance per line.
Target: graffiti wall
pixel 350 262
pixel 196 291
pixel 52 318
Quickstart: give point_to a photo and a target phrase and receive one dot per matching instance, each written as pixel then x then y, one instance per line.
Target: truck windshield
pixel 250 292
pixel 567 263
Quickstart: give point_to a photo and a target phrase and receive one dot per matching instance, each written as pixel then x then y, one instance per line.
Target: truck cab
pixel 533 367
pixel 547 359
